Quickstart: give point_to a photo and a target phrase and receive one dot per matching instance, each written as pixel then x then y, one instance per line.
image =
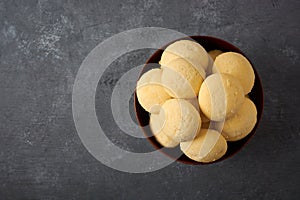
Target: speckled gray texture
pixel 42 44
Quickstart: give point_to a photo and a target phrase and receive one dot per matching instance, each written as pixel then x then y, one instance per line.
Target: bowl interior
pixel 256 95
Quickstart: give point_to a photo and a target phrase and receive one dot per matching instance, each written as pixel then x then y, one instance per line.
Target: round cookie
pixel 150 91
pixel 157 122
pixel 189 50
pixel 238 66
pixel 220 96
pixel 208 146
pixel 214 53
pixel 241 123
pixel 165 140
pixel 182 121
pixel 181 79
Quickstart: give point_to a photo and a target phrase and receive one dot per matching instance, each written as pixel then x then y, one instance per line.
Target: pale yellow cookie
pixel 208 146
pixel 241 123
pixel 157 122
pixel 220 96
pixel 182 121
pixel 238 66
pixel 189 50
pixel 150 92
pixel 181 79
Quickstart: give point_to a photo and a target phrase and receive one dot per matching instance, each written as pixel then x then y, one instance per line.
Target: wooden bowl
pixel 256 95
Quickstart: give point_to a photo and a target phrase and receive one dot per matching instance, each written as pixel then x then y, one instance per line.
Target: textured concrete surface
pixel 42 44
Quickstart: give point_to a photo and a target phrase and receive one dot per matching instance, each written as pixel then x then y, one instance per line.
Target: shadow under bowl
pixel 256 95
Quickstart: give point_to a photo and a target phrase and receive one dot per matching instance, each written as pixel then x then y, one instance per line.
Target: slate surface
pixel 42 44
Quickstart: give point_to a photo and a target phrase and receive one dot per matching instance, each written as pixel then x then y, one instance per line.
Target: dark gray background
pixel 42 44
